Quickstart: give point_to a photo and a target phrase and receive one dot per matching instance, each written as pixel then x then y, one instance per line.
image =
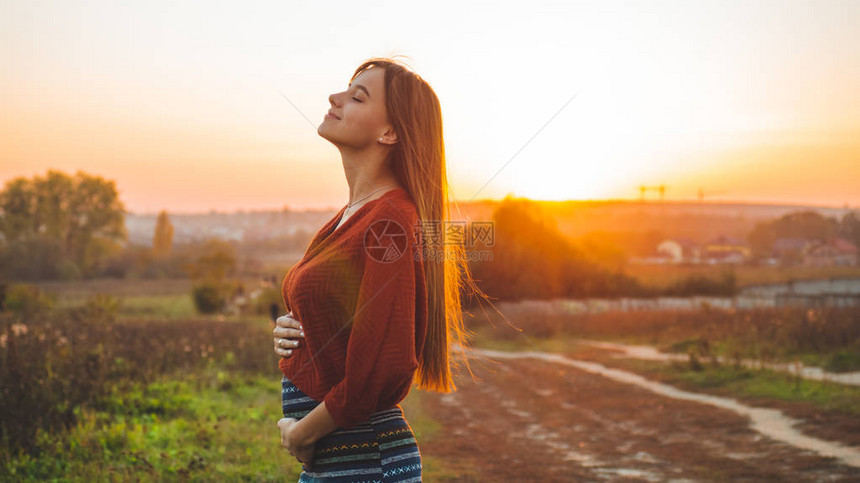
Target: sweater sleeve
pixel 380 353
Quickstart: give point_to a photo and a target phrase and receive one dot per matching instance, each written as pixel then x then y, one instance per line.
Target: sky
pixel 198 106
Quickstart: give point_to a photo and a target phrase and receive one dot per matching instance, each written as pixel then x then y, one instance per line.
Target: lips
pixel 333 115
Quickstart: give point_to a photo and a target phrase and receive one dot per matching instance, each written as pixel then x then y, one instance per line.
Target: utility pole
pixel 709 193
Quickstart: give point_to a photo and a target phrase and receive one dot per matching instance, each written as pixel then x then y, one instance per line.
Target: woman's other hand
pixel 287 333
pixel 304 453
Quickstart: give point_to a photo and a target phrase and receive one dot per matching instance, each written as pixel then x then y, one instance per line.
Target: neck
pixel 366 171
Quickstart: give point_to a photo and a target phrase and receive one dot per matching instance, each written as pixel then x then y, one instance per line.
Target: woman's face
pixel 362 118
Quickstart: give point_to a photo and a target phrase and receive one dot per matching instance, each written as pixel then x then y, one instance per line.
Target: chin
pixel 321 132
pixel 325 135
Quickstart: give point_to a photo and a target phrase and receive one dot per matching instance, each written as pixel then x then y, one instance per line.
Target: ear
pixel 388 137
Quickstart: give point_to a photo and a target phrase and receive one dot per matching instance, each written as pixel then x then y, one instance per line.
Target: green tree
pixel 162 240
pixel 216 262
pixel 81 214
pixel 807 224
pixel 211 287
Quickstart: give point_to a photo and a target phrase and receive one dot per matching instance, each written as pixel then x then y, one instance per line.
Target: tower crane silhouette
pixel 661 188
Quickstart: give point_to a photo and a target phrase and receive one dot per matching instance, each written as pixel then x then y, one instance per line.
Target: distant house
pixel 789 248
pixel 835 251
pixel 679 250
pixel 724 249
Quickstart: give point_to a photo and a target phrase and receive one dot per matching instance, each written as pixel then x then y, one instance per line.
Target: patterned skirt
pixel 382 449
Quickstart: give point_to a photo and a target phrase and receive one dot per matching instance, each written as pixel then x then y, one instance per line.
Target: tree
pixel 162 240
pixel 216 263
pixel 211 288
pixel 82 215
pixel 532 259
pixel 807 224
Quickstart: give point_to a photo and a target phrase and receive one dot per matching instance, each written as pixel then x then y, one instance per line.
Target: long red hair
pixel 418 162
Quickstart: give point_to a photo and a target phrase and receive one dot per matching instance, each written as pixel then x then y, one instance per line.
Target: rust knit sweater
pixel 360 295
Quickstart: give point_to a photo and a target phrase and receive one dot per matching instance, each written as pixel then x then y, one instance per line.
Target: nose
pixel 332 98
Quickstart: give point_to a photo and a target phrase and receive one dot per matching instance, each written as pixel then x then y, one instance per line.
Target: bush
pixel 34 259
pixel 97 308
pixel 843 361
pixel 68 270
pixel 27 301
pixel 264 300
pixel 697 284
pixel 209 297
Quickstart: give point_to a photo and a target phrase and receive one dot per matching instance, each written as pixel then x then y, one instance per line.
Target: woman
pixel 375 297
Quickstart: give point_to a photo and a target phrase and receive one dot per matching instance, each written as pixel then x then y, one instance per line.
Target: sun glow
pixel 579 101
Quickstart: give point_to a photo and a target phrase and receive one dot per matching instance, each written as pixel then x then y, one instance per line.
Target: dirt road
pixel 533 420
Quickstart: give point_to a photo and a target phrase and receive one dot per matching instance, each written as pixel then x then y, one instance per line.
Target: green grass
pixel 139 299
pixel 158 306
pixel 211 426
pixel 200 427
pixel 761 383
pixel 154 307
pixel 166 306
pixel 840 360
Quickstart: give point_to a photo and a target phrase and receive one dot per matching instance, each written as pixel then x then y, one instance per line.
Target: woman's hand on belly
pixel 304 453
pixel 287 333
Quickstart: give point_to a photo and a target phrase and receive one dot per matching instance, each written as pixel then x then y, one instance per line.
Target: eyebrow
pixel 361 87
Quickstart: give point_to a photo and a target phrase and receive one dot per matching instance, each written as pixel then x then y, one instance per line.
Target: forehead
pixel 372 78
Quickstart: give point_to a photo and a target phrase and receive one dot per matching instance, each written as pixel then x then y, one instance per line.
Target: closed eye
pixel 357 99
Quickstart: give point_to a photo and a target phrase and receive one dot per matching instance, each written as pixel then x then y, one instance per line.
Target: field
pixel 156 392
pixel 746 275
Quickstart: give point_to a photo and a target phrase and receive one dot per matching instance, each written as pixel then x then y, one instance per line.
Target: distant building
pixel 679 250
pixel 832 252
pixel 789 249
pixel 724 249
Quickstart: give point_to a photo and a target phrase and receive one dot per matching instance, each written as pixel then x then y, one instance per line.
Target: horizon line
pixel 773 204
